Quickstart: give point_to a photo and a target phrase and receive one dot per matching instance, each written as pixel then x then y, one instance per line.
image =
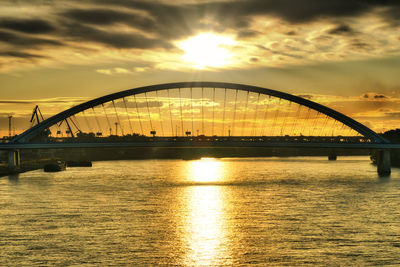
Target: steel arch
pixel 362 129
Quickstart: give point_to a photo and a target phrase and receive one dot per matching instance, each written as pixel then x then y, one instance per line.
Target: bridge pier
pixel 14 159
pixel 383 162
pixel 332 154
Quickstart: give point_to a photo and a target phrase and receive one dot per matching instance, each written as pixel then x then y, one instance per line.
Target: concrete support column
pixel 13 159
pixel 332 155
pixel 383 162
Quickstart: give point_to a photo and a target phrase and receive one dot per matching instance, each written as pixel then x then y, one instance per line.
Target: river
pixel 208 212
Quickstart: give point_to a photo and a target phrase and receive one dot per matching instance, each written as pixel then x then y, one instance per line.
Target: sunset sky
pixel 341 53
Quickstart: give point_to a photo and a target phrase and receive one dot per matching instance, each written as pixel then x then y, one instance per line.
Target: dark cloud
pixel 374 96
pixel 247 33
pixel 20 55
pixel 393 114
pixel 114 39
pixel 342 29
pixel 158 23
pixel 23 40
pixel 292 11
pixel 254 59
pixel 359 45
pixel 108 17
pixel 32 26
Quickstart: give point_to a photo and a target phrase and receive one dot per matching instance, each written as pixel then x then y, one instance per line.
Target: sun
pixel 207 50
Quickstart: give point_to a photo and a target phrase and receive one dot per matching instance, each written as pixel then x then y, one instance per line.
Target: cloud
pixel 302 11
pixel 119 70
pixel 32 26
pixel 374 96
pixel 342 29
pixel 26 41
pixel 20 55
pixel 140 104
pixel 113 38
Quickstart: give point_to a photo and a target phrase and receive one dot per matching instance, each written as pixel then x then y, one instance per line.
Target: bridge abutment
pixel 383 162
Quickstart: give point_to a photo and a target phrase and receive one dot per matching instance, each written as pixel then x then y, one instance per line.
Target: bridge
pixel 201 115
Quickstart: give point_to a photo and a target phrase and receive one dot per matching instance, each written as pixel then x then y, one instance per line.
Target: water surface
pixel 265 211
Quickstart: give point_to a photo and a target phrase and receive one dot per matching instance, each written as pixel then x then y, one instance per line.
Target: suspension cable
pixel 253 132
pixel 305 121
pixel 213 109
pixel 276 116
pixel 118 120
pixel 97 120
pixel 314 124
pixel 191 108
pixel 285 119
pixel 87 122
pixel 180 106
pixel 159 113
pixel 127 114
pixel 148 111
pixel 223 114
pixel 324 125
pixel 170 114
pixel 108 121
pixel 245 113
pixel 234 113
pixel 76 123
pixel 265 116
pixel 202 110
pixel 138 114
pixel 295 120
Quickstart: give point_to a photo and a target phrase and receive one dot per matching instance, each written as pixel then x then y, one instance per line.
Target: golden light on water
pixel 205 230
pixel 207 50
pixel 206 170
pixel 205 223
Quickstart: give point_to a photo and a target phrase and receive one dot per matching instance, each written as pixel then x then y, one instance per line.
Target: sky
pixel 341 53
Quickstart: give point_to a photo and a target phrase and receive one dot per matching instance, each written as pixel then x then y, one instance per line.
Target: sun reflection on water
pixel 206 170
pixel 206 226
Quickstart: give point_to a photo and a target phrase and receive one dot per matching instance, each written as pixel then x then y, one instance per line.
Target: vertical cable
pixel 212 128
pixel 333 127
pixel 202 110
pixel 323 125
pixel 127 115
pixel 118 120
pixel 191 107
pixel 87 122
pixel 314 124
pixel 253 131
pixel 180 106
pixel 245 113
pixel 295 120
pixel 305 121
pixel 159 112
pixel 76 123
pixel 108 121
pixel 234 113
pixel 138 114
pixel 276 116
pixel 284 119
pixel 223 114
pixel 97 120
pixel 148 112
pixel 170 114
pixel 265 116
